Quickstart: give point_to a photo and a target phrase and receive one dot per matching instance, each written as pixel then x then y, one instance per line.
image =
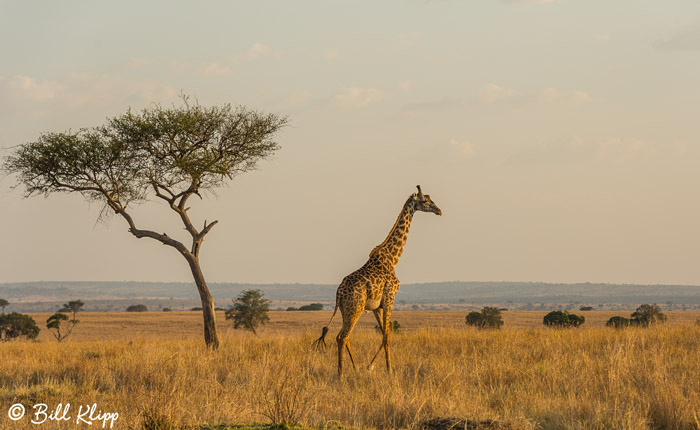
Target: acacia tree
pixel 54 323
pixel 4 303
pixel 162 154
pixel 73 306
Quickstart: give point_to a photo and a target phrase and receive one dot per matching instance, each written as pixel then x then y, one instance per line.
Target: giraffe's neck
pixel 391 249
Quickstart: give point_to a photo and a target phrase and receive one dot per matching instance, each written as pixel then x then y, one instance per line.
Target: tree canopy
pixel 169 153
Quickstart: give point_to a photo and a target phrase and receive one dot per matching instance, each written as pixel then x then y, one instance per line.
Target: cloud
pixel 216 69
pixel 29 95
pixel 687 39
pixel 624 147
pixel 354 97
pixel 331 54
pixel 297 99
pixel 257 50
pixel 552 96
pixel 404 85
pixel 492 93
pixel 442 104
pixel 464 148
pixel 35 89
pixel 578 150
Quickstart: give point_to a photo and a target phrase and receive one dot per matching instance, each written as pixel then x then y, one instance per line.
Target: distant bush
pixel 562 319
pixel 488 318
pixel 291 308
pixel 586 308
pixel 249 310
pixel 16 325
pixel 137 308
pixel 618 322
pixel 647 315
pixel 167 310
pixel 394 327
pixel 312 307
pixel 196 309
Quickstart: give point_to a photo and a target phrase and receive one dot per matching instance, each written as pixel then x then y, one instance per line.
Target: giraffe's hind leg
pixel 352 359
pixel 350 317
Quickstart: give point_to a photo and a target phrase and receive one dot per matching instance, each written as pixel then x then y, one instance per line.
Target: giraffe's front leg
pixel 388 304
pixel 377 315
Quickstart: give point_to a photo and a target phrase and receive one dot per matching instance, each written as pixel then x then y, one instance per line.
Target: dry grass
pixel 525 378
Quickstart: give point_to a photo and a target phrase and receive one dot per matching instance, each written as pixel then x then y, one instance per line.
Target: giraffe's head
pixel 423 203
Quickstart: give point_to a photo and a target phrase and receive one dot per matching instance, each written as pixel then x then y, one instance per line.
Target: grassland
pixel 153 368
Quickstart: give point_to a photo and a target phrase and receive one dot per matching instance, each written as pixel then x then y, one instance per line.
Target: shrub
pixel 647 315
pixel 488 318
pixel 312 307
pixel 394 327
pixel 137 308
pixel 17 325
pixel 586 308
pixel 291 308
pixel 618 322
pixel 562 319
pixel 249 310
pixel 167 310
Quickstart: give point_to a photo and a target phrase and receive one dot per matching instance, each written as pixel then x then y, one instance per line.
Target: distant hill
pixel 435 292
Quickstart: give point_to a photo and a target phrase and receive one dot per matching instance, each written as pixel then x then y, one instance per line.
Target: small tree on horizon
pixel 163 154
pixel 4 303
pixel 54 323
pixel 249 310
pixel 74 306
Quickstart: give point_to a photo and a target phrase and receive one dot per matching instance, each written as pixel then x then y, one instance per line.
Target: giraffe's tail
pixel 320 343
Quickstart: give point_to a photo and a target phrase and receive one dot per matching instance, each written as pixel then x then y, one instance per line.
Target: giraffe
pixel 374 285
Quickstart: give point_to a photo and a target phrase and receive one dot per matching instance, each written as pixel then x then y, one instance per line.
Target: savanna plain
pixel 155 371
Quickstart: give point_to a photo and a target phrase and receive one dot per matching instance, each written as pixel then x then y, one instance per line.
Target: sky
pixel 560 138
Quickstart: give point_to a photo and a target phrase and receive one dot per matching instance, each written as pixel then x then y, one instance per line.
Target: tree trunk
pixel 210 336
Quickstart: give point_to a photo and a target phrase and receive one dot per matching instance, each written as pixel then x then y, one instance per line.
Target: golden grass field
pixel 154 370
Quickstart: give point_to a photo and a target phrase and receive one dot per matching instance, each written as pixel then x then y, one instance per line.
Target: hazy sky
pixel 560 138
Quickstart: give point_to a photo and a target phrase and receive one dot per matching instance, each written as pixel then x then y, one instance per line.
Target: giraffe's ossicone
pixel 373 286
